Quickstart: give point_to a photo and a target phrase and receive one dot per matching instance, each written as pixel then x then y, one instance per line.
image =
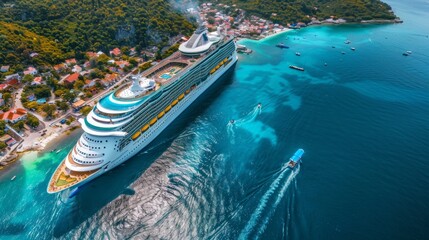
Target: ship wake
pixel 258 221
pixel 241 122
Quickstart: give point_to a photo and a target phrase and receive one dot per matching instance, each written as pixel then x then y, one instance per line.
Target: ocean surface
pixel 363 121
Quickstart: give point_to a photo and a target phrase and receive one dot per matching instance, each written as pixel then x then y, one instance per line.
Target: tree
pixel 69 96
pixel 49 109
pixel 31 105
pixel 32 121
pixel 2 145
pixel 27 78
pixel 6 96
pixel 85 110
pixel 78 85
pixel 42 91
pixel 62 105
pixel 18 125
pixel 2 125
pixel 59 92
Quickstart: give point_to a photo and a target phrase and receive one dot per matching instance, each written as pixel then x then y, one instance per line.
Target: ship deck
pixel 164 72
pixel 62 180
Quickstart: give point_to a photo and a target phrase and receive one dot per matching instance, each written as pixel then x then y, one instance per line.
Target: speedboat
pixel 295 159
pixel 281 45
pixel 298 53
pixel 353 48
pixel 296 67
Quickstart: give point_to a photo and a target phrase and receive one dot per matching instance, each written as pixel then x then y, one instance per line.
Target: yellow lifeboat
pixel 225 60
pixel 145 127
pixel 181 96
pixel 212 71
pixel 167 108
pixel 187 91
pixel 174 102
pixel 153 121
pixel 136 135
pixel 217 67
pixel 161 114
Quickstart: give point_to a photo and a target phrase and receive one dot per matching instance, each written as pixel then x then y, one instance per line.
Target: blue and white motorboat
pixel 295 159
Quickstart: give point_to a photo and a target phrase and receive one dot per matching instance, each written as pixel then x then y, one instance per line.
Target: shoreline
pixel 321 23
pixel 41 146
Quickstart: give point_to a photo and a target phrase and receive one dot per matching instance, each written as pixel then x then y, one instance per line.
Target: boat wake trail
pixel 241 122
pixel 257 214
pixel 277 202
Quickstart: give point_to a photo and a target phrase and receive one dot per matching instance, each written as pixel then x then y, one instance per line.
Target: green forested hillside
pixel 81 25
pixel 290 11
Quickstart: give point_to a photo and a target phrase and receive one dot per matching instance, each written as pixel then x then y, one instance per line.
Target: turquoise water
pixel 362 121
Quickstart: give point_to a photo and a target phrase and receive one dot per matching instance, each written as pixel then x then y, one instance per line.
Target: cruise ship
pixel 126 120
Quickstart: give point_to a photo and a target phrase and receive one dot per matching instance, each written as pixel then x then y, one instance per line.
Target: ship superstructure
pixel 126 120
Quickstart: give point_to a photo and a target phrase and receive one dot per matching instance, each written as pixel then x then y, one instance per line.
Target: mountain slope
pixel 290 11
pixel 82 25
pixel 17 43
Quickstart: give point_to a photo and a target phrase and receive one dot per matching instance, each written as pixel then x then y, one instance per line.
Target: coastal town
pixel 40 103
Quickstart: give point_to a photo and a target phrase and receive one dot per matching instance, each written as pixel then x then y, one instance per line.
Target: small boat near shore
pixel 281 45
pixel 347 41
pixel 296 67
pixel 13 178
pixel 59 150
pixel 295 159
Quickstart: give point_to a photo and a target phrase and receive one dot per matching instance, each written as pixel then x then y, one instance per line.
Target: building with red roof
pixel 3 86
pixel 115 52
pixel 37 81
pixel 72 78
pixel 14 115
pixel 71 61
pixel 30 70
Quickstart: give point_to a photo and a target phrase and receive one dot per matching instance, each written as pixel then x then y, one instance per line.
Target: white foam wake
pixel 250 117
pixel 278 200
pixel 264 200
